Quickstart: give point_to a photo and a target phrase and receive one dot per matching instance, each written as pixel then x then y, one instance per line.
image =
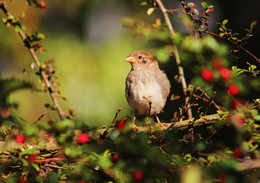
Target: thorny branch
pixel 38 63
pixel 216 35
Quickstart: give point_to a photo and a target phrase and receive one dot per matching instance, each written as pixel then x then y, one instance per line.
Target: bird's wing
pixel 165 84
pixel 128 82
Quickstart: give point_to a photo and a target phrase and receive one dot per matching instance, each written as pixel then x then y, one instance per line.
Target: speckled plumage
pixel 146 81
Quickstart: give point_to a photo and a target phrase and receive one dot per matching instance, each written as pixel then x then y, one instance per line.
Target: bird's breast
pixel 144 88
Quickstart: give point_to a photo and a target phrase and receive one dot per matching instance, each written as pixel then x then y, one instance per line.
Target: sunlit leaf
pixel 150 11
pixel 225 21
pixel 204 4
pixel 253 24
pixel 190 5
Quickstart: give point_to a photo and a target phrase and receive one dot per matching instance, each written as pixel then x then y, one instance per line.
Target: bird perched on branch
pixel 146 87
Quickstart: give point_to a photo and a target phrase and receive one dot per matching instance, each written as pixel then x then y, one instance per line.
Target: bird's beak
pixel 130 59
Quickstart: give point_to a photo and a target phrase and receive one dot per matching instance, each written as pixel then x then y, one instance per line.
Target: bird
pixel 147 86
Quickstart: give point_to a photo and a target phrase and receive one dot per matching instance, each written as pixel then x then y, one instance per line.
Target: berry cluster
pixel 224 73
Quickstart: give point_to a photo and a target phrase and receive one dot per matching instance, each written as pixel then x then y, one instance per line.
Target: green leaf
pixel 257 117
pixel 23 27
pixel 127 22
pixel 204 4
pixel 17 28
pixel 253 67
pixel 196 11
pixel 221 29
pixel 254 112
pixel 28 151
pixel 222 34
pixel 190 5
pixel 104 160
pixel 234 69
pixel 31 130
pixel 253 24
pixel 150 11
pixel 4 20
pixel 225 22
pixel 41 36
pixel 162 55
pixel 143 3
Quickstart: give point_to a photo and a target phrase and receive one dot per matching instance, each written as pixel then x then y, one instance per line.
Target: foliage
pixel 219 144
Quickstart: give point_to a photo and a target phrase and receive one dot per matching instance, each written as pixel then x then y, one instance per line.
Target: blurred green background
pixel 89 46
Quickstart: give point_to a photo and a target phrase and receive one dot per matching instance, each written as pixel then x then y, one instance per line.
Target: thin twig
pixel 206 100
pixel 38 63
pixel 177 56
pixel 54 166
pixel 117 112
pixel 211 102
pixel 39 119
pixel 105 128
pixel 251 54
pixel 149 106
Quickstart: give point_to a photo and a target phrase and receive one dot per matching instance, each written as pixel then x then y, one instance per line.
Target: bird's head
pixel 142 59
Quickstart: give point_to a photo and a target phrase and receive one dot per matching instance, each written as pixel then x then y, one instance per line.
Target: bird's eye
pixel 140 57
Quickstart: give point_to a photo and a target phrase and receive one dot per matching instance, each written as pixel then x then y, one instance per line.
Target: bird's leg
pixel 133 125
pixel 158 120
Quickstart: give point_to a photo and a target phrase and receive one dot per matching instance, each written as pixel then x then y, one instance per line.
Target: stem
pixel 177 56
pixel 38 63
pixel 216 35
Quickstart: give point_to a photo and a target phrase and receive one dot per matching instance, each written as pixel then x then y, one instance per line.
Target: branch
pixel 36 60
pixel 6 146
pixel 177 56
pixel 216 35
pixel 249 164
pixel 181 125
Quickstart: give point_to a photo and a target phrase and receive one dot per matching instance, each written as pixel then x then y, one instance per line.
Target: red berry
pixel 22 180
pixel 237 120
pixel 7 112
pixel 81 181
pixel 32 157
pixel 207 75
pixel 138 175
pixel 19 139
pixel 217 64
pixel 42 5
pixel 254 22
pixel 237 152
pixel 222 178
pixel 211 10
pixel 225 73
pixel 233 89
pixel 49 122
pixel 83 138
pixel 114 158
pixel 120 125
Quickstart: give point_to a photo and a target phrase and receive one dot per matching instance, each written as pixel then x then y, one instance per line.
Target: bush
pixel 214 137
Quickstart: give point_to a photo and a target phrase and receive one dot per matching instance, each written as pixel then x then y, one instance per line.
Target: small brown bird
pixel 146 87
